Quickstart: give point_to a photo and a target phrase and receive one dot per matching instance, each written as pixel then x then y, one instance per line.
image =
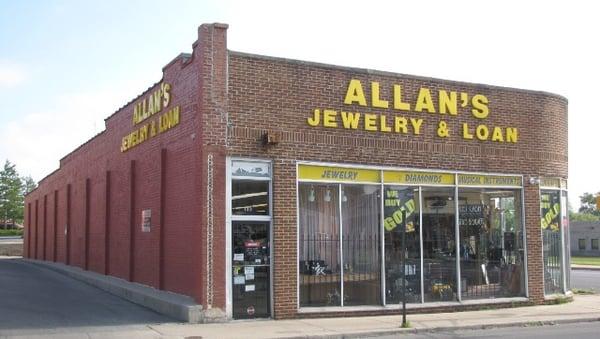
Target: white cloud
pixel 37 141
pixel 11 74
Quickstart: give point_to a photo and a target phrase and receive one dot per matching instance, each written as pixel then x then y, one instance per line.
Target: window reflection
pixel 396 200
pixel 249 197
pixel 551 238
pixel 491 252
pixel 360 244
pixel 319 256
pixel 439 259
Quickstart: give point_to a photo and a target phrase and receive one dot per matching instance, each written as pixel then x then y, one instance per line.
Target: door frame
pixel 229 234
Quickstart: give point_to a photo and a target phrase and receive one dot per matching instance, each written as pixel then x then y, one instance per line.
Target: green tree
pixel 11 194
pixel 574 216
pixel 28 184
pixel 588 204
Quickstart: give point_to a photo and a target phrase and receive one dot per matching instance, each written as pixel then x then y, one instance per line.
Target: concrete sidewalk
pixel 584 308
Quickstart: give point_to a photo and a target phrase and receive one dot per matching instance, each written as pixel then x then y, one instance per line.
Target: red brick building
pixel 268 187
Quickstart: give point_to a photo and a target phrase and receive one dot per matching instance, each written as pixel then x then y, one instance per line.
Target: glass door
pixel 250 269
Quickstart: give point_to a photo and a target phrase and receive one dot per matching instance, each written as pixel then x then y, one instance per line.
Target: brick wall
pixel 279 95
pixel 90 208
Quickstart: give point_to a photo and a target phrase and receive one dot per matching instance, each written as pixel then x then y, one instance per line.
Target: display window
pixel 397 200
pixel 439 244
pixel 491 249
pixel 556 249
pixel 552 241
pixel 463 239
pixel 339 244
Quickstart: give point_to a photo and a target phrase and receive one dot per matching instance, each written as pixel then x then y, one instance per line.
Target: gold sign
pixel 550 182
pixel 488 180
pixel 418 178
pixel 337 174
pixel 143 110
pixel 449 104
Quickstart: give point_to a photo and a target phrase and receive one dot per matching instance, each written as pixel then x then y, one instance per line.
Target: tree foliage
pixel 28 184
pixel 12 191
pixel 574 216
pixel 588 204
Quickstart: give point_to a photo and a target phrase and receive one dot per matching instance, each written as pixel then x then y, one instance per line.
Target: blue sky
pixel 66 65
pixel 67 45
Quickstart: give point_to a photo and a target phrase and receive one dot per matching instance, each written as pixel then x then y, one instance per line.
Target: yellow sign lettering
pixel 350 120
pixel 448 102
pixel 355 93
pixel 398 103
pixel 329 118
pixel 376 101
pixel 424 101
pixel 480 109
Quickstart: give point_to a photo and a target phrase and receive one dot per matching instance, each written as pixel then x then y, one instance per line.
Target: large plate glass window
pixel 567 238
pixel 339 258
pixel 320 263
pixel 551 241
pixel 361 244
pixel 491 250
pixel 439 244
pixel 396 200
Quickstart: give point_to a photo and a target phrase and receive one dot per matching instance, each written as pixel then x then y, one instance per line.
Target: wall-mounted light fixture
pixel 534 180
pixel 270 138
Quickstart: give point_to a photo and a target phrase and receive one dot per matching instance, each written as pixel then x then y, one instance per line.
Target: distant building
pixel 585 238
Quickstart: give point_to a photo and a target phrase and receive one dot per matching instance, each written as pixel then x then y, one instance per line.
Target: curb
pixel 585 268
pixel 444 329
pixel 176 306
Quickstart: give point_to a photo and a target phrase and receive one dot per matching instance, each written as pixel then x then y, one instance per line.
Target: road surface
pixel 35 301
pixel 586 279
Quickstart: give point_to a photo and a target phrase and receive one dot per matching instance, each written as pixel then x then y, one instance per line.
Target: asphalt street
pixel 11 240
pixel 586 279
pixel 578 330
pixel 37 301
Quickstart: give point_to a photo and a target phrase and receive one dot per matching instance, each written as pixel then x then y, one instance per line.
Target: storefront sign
pixel 488 180
pixel 418 178
pixel 144 110
pixel 550 182
pixel 337 174
pixel 440 103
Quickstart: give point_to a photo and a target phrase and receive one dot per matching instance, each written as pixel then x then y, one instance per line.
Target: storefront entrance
pixel 251 270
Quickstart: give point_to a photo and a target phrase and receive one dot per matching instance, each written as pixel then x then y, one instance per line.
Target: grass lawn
pixel 585 261
pixel 5 233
